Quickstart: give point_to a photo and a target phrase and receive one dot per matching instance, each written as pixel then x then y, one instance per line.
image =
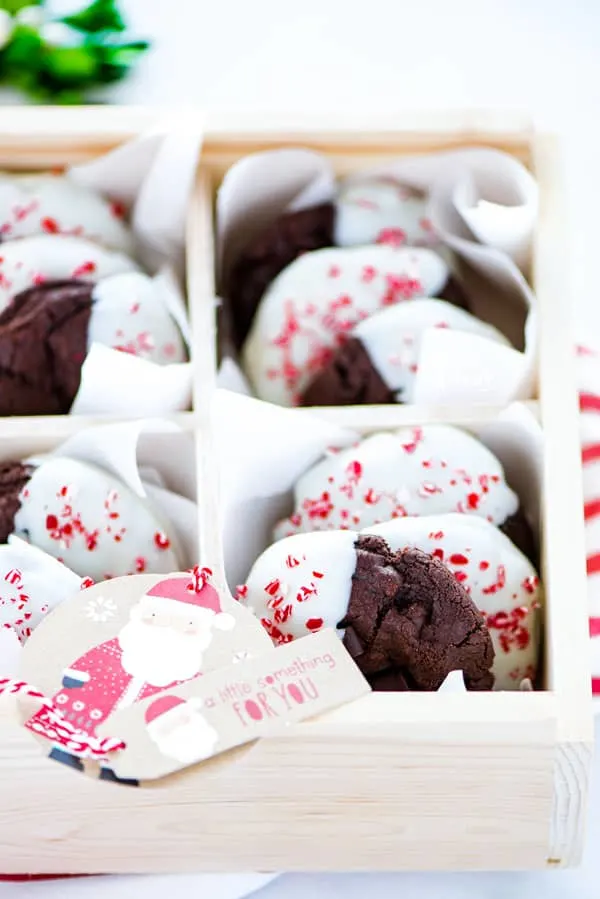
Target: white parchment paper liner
pixel 125 448
pixel 152 176
pixel 482 203
pixel 10 653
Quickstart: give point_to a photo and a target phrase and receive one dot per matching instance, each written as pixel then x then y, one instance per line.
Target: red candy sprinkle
pixel 86 268
pixel 51 522
pixel 368 273
pixel 118 209
pixel 499 584
pixel 530 584
pixel 50 225
pixel 273 587
pixel 282 614
pixel 393 237
pixel 371 498
pixel 314 624
pixel 458 559
pixel 161 541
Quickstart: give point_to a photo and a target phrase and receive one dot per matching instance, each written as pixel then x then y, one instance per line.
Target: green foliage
pixel 13 6
pixel 61 59
pixel 101 15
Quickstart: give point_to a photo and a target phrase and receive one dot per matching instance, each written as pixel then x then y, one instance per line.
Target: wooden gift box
pixel 393 781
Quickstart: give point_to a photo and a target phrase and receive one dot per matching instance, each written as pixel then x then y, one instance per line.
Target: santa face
pixel 183 734
pixel 164 641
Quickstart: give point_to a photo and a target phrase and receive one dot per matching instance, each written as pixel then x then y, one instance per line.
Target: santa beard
pixel 161 655
pixel 187 743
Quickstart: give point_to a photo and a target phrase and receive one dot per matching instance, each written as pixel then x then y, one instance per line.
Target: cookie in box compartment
pixel 358 514
pixel 107 502
pixel 79 288
pixel 308 294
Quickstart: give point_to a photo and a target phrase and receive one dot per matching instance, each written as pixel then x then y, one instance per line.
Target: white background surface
pixel 255 57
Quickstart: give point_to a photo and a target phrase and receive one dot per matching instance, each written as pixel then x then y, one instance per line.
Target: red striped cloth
pixel 588 361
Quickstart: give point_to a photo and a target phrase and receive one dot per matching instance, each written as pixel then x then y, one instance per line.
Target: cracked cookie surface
pixel 409 622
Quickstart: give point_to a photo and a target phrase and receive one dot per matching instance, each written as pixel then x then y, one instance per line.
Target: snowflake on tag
pixel 241 656
pixel 100 609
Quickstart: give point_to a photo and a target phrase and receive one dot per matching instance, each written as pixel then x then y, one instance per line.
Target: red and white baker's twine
pixel 200 578
pixel 54 726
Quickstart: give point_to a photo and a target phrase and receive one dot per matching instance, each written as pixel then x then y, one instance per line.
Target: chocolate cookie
pixel 350 379
pixel 517 528
pixel 268 254
pixel 383 363
pixel 14 476
pixel 43 342
pixel 407 613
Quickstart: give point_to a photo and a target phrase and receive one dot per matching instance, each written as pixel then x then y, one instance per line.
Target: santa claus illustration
pixel 179 730
pixel 161 646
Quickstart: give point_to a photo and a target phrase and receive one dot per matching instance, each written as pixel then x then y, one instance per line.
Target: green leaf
pixel 24 49
pixel 101 15
pixel 122 54
pixel 70 65
pixel 13 6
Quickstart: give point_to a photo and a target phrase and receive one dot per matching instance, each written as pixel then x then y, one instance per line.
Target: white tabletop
pixel 270 56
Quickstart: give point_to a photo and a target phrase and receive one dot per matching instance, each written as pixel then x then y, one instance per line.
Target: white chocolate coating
pixel 381 210
pixel 130 314
pixel 500 580
pixel 33 260
pixel 302 584
pixel 313 305
pixel 92 522
pixel 55 204
pixel 429 470
pixel 393 336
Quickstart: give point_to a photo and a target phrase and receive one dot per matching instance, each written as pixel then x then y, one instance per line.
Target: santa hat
pixel 179 589
pixel 165 704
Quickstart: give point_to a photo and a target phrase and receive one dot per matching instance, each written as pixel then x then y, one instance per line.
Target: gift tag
pixel 232 706
pixel 124 640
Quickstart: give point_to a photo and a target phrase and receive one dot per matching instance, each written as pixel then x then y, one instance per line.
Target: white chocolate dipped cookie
pixel 403 616
pixel 55 204
pixel 34 260
pixel 312 306
pixel 88 519
pixel 381 359
pixel 428 470
pixel 381 210
pixel 130 312
pixel 32 583
pixel 500 580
